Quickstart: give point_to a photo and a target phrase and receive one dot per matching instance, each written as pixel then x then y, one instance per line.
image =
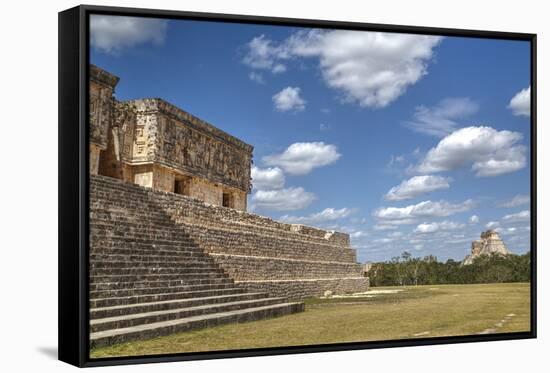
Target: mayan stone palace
pixel 172 247
pixel 154 144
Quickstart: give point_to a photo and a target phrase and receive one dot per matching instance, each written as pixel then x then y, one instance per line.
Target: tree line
pixel 407 270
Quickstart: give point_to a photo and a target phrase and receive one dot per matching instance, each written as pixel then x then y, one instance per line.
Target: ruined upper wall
pixel 171 137
pixel 104 77
pixel 102 86
pixel 153 131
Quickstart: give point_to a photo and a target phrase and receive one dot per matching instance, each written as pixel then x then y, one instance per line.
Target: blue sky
pixel 407 142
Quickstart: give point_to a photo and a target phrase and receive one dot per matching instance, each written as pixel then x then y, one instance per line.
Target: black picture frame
pixel 74 178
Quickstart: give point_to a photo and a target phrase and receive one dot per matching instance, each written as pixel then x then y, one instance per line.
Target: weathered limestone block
pixel 94 158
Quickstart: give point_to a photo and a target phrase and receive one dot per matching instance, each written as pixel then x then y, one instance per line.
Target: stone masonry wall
pixel 175 139
pixel 163 179
pixel 102 86
pixel 213 194
pixel 301 289
pixel 264 255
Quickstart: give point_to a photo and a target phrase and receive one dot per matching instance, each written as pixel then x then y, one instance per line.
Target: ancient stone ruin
pixel 172 247
pixel 489 244
pixel 154 144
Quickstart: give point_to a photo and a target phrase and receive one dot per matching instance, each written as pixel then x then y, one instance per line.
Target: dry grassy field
pixel 402 312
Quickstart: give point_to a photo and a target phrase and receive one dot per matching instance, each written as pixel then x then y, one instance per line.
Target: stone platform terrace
pixel 149 278
pixel 162 263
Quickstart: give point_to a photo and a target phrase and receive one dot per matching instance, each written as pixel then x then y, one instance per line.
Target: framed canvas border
pixel 73 223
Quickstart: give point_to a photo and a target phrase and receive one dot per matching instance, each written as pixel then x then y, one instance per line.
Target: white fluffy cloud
pixel 267 178
pixel 383 240
pixel 520 104
pixel 302 157
pixel 438 226
pixel 441 119
pixel 395 234
pixel 112 34
pixel 492 225
pixel 358 234
pixel 524 215
pixel 490 152
pixel 423 210
pixel 416 186
pixel 371 69
pixel 510 231
pixel 518 200
pixel 328 214
pixel 256 77
pixel 289 100
pixel 262 53
pixel 385 227
pixel 324 127
pixel 282 199
pixel 474 219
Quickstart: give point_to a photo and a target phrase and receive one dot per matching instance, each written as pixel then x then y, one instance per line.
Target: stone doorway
pixel 228 200
pixel 182 185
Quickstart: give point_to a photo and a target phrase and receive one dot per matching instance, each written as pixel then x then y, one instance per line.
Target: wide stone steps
pixel 124 247
pixel 147 236
pixel 248 243
pixel 109 224
pixel 100 285
pixel 156 329
pixel 97 239
pixel 126 321
pixel 132 256
pixel 137 193
pixel 150 238
pixel 183 272
pixel 146 298
pixel 107 211
pixel 104 215
pixel 189 266
pixel 231 295
pixel 158 277
pixel 112 220
pixel 149 288
pixel 148 277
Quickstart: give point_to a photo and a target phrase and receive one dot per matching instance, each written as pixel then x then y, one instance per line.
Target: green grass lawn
pixel 415 312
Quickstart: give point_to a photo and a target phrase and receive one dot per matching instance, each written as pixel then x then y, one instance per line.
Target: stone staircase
pixel 149 278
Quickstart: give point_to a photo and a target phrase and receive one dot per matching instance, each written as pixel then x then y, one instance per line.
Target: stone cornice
pixel 172 111
pixel 99 75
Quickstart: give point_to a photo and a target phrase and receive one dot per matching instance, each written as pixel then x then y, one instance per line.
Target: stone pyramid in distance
pixel 489 244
